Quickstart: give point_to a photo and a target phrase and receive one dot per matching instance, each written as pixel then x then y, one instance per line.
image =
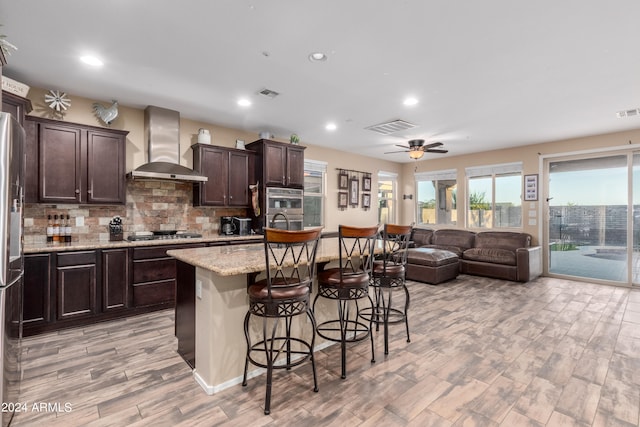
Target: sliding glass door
pixel 588 201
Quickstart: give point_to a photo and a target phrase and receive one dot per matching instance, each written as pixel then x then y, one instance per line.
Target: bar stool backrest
pixel 357 245
pixel 396 240
pixel 290 258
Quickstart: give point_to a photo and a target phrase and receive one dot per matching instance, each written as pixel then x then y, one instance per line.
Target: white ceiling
pixel 488 74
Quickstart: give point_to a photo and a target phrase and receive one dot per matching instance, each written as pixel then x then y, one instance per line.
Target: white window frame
pixel 442 175
pixel 393 177
pixel 492 171
pixel 318 166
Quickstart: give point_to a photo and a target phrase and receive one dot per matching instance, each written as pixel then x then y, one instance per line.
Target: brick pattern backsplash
pixel 151 205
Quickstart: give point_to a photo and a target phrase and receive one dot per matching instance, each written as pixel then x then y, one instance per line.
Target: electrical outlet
pixel 79 221
pixel 199 289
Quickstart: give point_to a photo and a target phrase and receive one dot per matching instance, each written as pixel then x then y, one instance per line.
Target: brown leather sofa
pixel 498 254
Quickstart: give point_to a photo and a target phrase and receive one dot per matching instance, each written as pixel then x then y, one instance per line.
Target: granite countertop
pixel 103 244
pixel 233 260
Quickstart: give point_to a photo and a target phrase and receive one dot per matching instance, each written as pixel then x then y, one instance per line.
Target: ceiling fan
pixel 416 148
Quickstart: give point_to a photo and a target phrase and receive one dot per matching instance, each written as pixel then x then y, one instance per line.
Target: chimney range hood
pixel 162 134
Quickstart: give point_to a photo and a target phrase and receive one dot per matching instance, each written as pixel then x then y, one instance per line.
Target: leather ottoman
pixel 431 265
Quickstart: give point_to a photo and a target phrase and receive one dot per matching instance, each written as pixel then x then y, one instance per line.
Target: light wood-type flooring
pixel 483 352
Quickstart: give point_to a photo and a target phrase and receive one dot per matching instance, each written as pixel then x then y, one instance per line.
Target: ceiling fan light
pixel 416 154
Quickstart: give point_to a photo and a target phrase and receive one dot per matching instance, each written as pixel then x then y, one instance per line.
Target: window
pixel 436 197
pixel 387 183
pixel 495 196
pixel 314 186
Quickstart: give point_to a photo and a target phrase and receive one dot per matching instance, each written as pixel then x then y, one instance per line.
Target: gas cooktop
pixel 162 235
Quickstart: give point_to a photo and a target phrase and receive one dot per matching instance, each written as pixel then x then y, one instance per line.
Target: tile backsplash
pixel 151 205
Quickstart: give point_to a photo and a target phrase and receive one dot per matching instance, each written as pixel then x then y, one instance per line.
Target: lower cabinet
pixel 75 288
pixel 76 284
pixel 154 275
pixel 36 312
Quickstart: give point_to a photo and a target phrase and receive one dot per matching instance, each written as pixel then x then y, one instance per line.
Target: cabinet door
pixel 76 285
pixel 59 150
pixel 105 167
pixel 214 164
pixel 295 167
pixel 274 164
pixel 37 291
pixel 238 179
pixel 115 279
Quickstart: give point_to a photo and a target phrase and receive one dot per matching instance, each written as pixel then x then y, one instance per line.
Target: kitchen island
pixel 212 303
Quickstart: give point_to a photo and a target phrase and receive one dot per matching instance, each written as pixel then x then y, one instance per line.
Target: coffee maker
pixel 227 227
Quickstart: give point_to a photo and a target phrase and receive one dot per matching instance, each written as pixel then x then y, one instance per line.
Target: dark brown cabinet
pixel 230 171
pixel 76 285
pixel 279 164
pixel 115 279
pixel 37 291
pixel 18 107
pixel 154 275
pixel 72 163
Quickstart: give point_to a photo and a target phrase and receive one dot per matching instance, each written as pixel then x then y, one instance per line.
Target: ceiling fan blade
pixel 436 150
pixel 433 144
pixel 391 152
pixel 402 146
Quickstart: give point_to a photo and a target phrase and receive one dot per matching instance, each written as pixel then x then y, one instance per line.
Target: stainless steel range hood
pixel 162 134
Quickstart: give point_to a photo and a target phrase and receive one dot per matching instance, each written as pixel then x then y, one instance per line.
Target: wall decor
pixel 58 102
pixel 366 201
pixel 366 183
pixel 343 180
pixel 106 114
pixel 343 198
pixel 354 192
pixel 531 187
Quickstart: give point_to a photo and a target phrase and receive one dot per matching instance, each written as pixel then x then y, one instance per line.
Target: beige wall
pixel 132 120
pixel 530 156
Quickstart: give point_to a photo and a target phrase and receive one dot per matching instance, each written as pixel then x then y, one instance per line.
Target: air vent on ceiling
pixel 269 93
pixel 628 113
pixel 391 127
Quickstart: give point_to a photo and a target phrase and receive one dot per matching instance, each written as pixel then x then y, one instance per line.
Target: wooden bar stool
pixel 283 294
pixel 348 284
pixel 389 276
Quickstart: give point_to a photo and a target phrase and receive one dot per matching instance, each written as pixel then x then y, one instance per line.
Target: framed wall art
pixel 343 200
pixel 354 191
pixel 366 200
pixel 531 187
pixel 366 183
pixel 343 181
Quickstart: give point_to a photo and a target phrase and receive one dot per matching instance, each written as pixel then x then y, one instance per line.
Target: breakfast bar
pixel 211 304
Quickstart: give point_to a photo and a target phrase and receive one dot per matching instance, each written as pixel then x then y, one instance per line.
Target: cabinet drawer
pixel 153 270
pixel 161 251
pixel 76 258
pixel 152 293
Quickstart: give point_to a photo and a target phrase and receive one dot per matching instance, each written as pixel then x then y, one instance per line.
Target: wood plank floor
pixel 483 352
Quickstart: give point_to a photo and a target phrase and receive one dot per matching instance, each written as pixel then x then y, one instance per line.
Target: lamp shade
pixel 416 154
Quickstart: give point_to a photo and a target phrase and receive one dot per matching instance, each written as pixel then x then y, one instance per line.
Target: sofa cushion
pixel 421 236
pixel 502 240
pixel 491 255
pixel 462 239
pixel 430 257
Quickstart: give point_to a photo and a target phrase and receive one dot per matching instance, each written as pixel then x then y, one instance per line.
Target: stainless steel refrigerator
pixel 12 264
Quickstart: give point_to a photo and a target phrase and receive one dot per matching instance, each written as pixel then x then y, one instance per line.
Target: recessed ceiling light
pixel 91 60
pixel 244 102
pixel 410 101
pixel 317 57
pixel 331 126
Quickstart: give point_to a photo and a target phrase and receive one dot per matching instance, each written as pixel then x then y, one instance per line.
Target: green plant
pixel 477 201
pixel 6 47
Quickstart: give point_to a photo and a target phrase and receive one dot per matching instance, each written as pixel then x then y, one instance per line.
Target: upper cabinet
pixel 16 105
pixel 230 171
pixel 74 163
pixel 279 164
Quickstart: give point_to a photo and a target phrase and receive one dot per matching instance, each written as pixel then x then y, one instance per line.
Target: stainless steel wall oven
pixel 284 208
